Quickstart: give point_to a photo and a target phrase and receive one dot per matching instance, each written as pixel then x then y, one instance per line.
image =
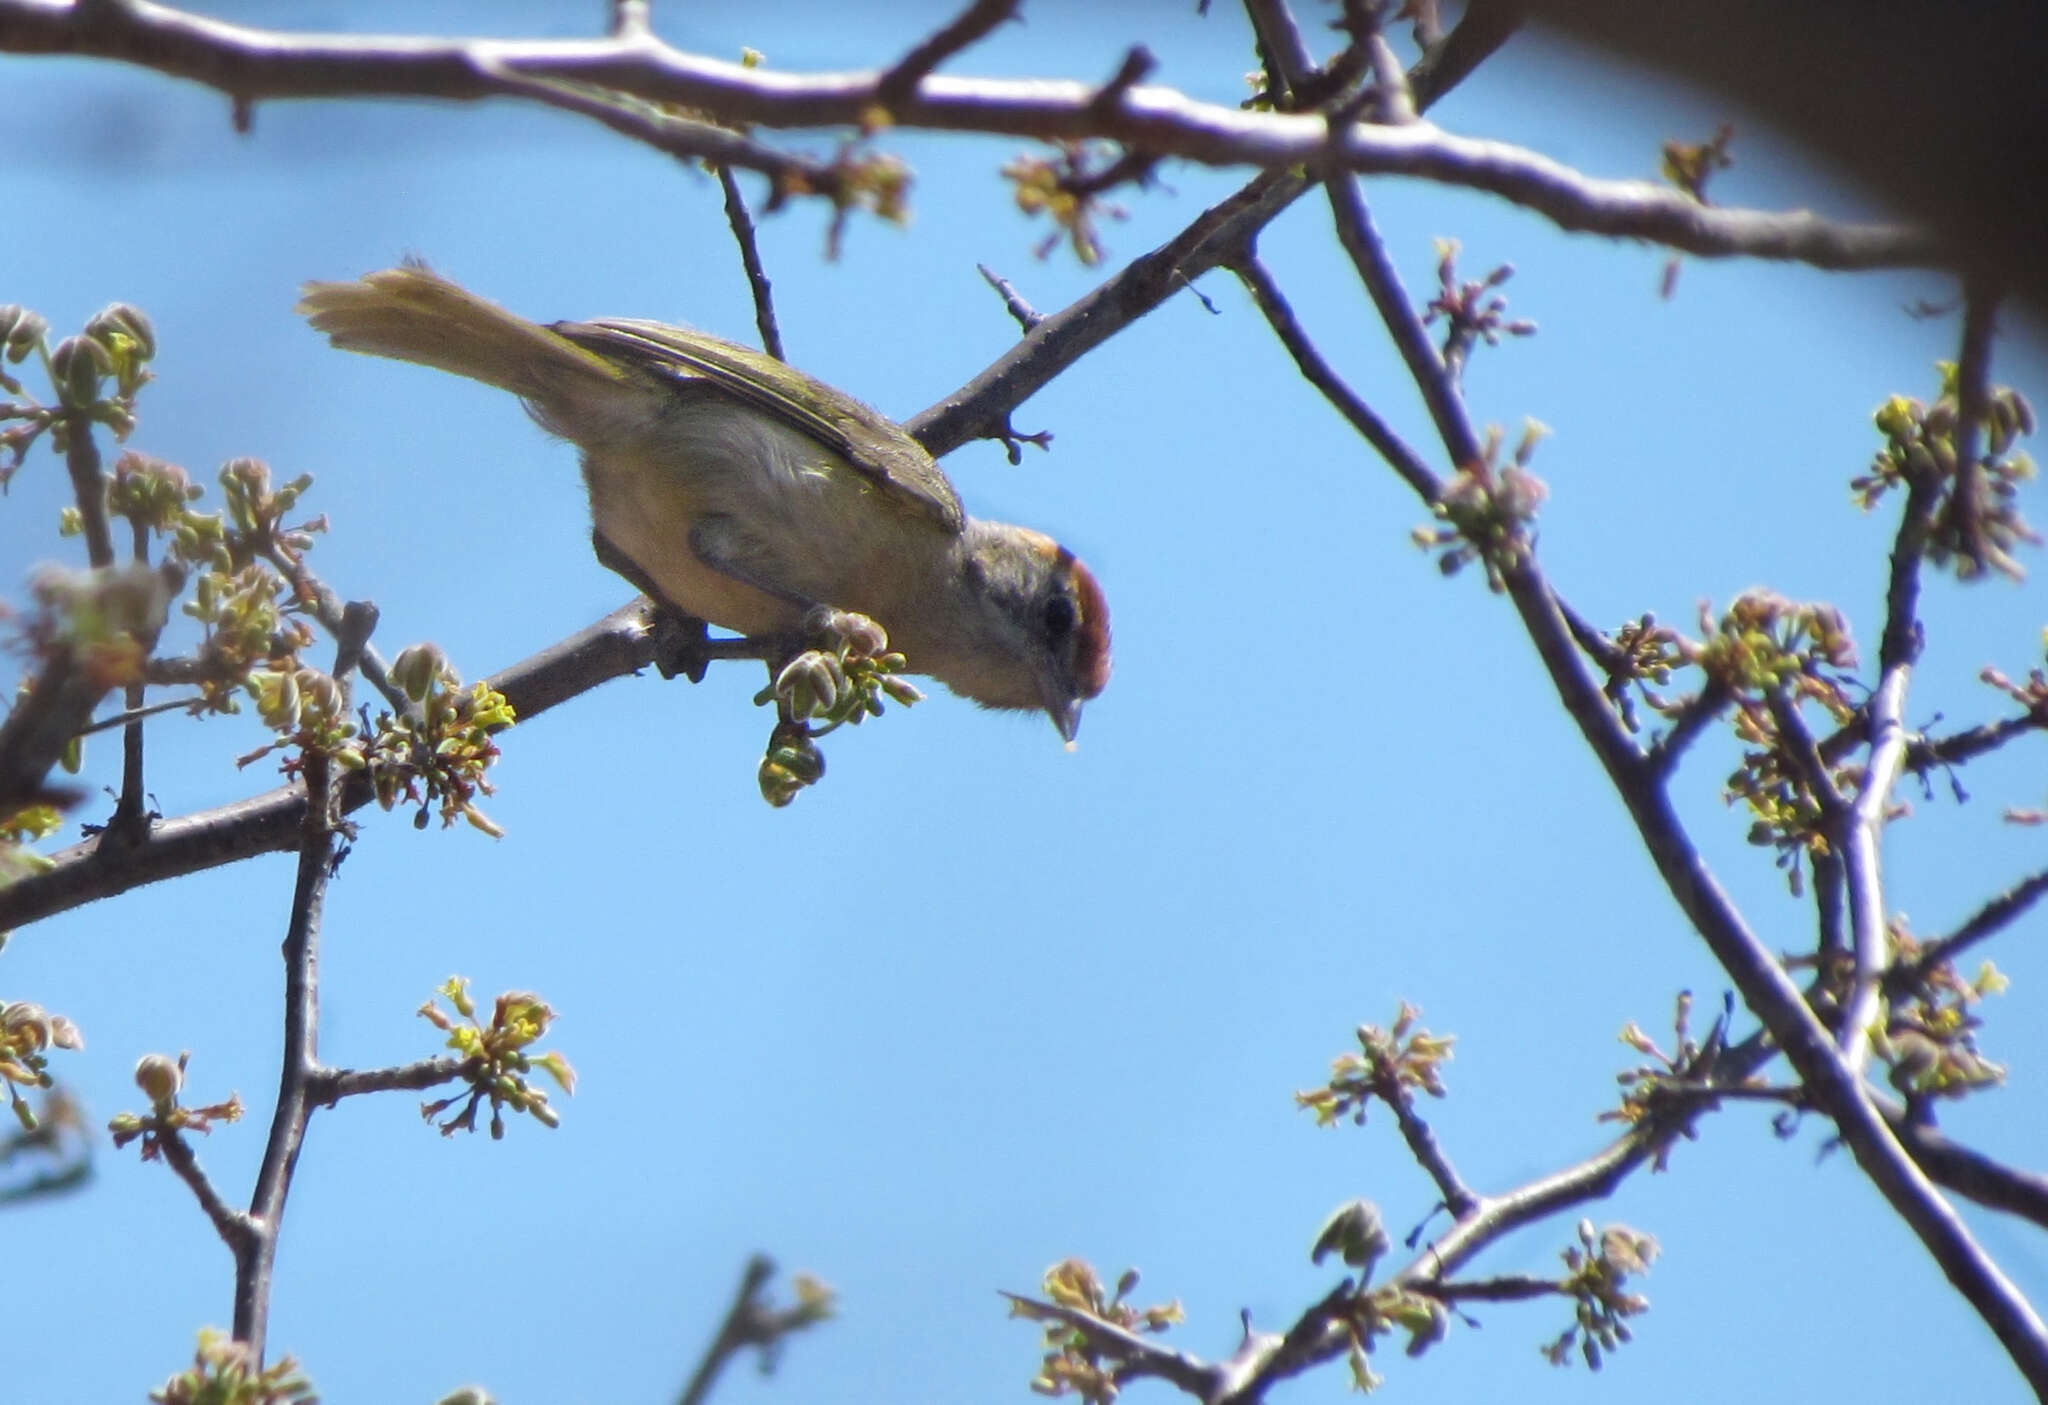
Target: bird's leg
pixel 679 636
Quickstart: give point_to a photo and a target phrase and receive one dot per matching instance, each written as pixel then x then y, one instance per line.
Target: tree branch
pixel 750 259
pixel 619 644
pixel 1973 400
pixel 1990 919
pixel 975 23
pixel 252 65
pixel 981 408
pixel 1316 371
pixel 229 1223
pixel 1411 338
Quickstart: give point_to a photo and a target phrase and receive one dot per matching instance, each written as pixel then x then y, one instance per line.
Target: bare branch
pixel 1510 1288
pixel 1411 338
pixel 231 1224
pixel 751 1320
pixel 1479 33
pixel 253 65
pixel 1288 60
pixel 131 815
pixel 1994 917
pixel 1140 1355
pixel 1395 99
pixel 1951 750
pixel 1804 753
pixel 975 23
pixel 980 409
pixel 1860 841
pixel 631 19
pixel 1834 1087
pixel 732 1332
pixel 328 1086
pixel 1695 717
pixel 319 844
pixel 1971 1173
pixel 1427 1151
pixel 621 643
pixel 685 138
pixel 750 259
pixel 1324 1332
pixel 1316 371
pixel 1026 315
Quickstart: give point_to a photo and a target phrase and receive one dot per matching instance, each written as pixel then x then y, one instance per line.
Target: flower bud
pixel 159 1077
pixel 20 330
pixel 126 322
pixel 79 364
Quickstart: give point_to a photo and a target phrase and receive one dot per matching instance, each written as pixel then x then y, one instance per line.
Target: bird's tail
pixel 414 314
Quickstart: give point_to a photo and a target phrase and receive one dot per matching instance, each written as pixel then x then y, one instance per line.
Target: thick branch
pixel 981 408
pixel 252 65
pixel 1769 992
pixel 617 645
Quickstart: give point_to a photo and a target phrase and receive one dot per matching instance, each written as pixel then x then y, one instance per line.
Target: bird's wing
pixel 870 442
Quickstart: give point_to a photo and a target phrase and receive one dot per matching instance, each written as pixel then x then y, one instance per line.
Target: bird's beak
pixel 1066 715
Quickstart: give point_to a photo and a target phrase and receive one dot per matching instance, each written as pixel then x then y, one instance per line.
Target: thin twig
pixel 1287 59
pixel 749 1321
pixel 1804 754
pixel 319 842
pixel 1509 1288
pixel 1830 888
pixel 1987 921
pixel 1279 315
pixel 1970 1173
pixel 1973 400
pixel 981 408
pixel 88 488
pixel 1424 1147
pixel 1139 1356
pixel 231 1224
pixel 742 225
pixel 630 19
pixel 1860 841
pixel 1026 315
pixel 1693 719
pixel 1959 747
pixel 1395 100
pixel 131 815
pixel 1325 1331
pixel 328 1086
pixel 975 23
pixel 1478 35
pixel 1369 256
pixel 131 716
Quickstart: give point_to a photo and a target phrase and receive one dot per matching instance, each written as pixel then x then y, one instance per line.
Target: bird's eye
pixel 1059 616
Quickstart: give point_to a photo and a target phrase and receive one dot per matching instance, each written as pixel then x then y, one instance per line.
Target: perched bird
pixel 746 494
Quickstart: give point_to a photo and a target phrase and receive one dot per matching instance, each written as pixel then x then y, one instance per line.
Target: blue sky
pixel 976 1004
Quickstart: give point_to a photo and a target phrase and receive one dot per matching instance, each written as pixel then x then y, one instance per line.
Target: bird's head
pixel 1028 627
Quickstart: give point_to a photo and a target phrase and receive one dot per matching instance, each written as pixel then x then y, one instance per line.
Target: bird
pixel 739 491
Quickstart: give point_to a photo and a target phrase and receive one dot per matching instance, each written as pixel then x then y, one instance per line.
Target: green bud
pixel 127 323
pixel 79 365
pixel 416 668
pixel 21 330
pixel 159 1077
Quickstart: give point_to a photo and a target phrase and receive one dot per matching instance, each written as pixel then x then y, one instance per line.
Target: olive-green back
pixel 872 443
